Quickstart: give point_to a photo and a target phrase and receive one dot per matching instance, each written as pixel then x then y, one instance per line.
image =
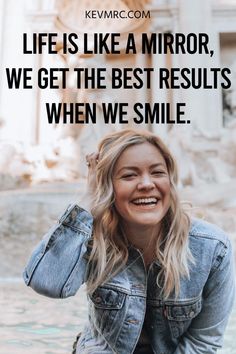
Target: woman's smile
pixel 145 203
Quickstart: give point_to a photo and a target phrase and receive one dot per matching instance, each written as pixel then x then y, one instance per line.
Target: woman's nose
pixel 145 183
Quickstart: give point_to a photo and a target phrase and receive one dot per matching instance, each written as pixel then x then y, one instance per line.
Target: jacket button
pixel 192 313
pixel 98 300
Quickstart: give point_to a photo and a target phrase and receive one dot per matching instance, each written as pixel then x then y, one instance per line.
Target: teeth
pixel 145 200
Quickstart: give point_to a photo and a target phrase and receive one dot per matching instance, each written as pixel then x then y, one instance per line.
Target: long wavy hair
pixel 109 249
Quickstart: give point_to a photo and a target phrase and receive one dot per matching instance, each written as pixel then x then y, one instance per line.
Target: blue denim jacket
pixel 191 324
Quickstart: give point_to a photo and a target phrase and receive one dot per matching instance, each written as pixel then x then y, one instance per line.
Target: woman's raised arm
pixel 58 265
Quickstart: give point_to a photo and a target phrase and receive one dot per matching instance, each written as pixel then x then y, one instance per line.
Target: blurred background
pixel 42 166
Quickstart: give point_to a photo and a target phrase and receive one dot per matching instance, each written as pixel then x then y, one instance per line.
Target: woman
pixel 157 282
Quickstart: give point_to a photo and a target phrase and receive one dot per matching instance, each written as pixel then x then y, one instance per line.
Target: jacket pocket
pixel 181 313
pixel 106 309
pixel 108 299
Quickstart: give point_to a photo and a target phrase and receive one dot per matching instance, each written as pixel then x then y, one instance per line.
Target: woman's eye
pixel 158 173
pixel 128 175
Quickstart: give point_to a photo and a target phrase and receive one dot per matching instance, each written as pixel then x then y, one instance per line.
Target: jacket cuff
pixel 76 218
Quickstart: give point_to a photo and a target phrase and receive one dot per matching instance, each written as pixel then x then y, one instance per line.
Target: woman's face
pixel 141 186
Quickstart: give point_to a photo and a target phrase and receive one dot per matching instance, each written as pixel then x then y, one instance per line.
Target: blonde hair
pixel 109 249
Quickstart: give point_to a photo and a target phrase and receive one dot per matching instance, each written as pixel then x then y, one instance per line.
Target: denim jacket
pixel 192 323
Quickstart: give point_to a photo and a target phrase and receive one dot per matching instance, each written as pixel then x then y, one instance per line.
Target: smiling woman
pixel 142 194
pixel 157 281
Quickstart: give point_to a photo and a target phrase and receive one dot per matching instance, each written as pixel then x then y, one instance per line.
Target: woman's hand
pixel 91 161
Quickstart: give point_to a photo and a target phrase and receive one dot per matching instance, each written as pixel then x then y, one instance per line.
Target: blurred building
pixel 22 112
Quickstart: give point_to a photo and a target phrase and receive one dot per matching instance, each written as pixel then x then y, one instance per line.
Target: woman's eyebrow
pixel 159 164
